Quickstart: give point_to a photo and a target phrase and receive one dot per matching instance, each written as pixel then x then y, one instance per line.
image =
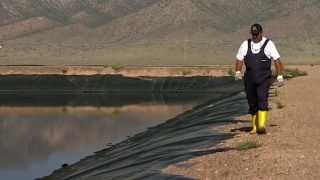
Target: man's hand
pixel 238 75
pixel 280 78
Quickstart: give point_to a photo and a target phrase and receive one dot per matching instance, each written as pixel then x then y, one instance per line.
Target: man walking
pixel 257 54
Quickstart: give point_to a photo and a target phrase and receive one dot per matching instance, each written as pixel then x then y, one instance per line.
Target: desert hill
pixel 152 32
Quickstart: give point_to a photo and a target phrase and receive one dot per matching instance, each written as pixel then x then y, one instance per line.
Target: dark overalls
pixel 257 79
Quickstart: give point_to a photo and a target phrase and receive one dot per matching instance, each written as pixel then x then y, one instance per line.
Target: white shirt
pixel 270 51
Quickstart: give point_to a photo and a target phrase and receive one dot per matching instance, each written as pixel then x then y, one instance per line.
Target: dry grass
pixel 247 145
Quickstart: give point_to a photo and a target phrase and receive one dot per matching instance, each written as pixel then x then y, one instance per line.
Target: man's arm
pixel 279 67
pixel 238 65
pixel 239 60
pixel 279 70
pixel 238 68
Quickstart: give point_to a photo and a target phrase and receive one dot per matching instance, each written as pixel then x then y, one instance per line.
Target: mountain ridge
pixel 185 29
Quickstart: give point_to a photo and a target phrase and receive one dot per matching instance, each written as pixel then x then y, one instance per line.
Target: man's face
pixel 256 36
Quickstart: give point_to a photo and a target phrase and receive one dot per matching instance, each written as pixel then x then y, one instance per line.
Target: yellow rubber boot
pixel 254 124
pixel 262 122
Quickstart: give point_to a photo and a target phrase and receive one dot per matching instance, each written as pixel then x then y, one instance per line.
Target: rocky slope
pixel 180 30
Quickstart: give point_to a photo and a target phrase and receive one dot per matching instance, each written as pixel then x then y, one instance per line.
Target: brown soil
pixel 128 71
pixel 288 151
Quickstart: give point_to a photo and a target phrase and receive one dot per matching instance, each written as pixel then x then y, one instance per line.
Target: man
pixel 257 53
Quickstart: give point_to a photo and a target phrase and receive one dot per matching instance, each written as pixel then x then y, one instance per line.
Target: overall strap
pixel 249 45
pixel 264 45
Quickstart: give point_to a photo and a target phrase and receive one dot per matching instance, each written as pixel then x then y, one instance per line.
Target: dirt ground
pixel 290 149
pixel 128 71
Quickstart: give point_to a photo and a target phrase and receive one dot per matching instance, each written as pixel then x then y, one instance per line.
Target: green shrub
pixel 186 72
pixel 292 73
pixel 115 113
pixel 247 145
pixel 116 67
pixel 231 72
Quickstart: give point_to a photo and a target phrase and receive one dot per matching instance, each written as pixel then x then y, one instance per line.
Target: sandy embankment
pixel 290 150
pixel 128 71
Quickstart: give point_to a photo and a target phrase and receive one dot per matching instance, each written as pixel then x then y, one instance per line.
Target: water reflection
pixel 40 133
pixel 49 120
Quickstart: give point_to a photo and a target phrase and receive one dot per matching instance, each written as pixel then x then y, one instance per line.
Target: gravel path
pixel 290 150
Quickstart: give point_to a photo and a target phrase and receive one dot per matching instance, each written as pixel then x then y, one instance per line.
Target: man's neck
pixel 257 40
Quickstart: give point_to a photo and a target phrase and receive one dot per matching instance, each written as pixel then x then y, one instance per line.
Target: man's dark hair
pixel 256 29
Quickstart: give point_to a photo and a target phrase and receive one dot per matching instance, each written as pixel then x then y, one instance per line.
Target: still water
pixel 39 133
